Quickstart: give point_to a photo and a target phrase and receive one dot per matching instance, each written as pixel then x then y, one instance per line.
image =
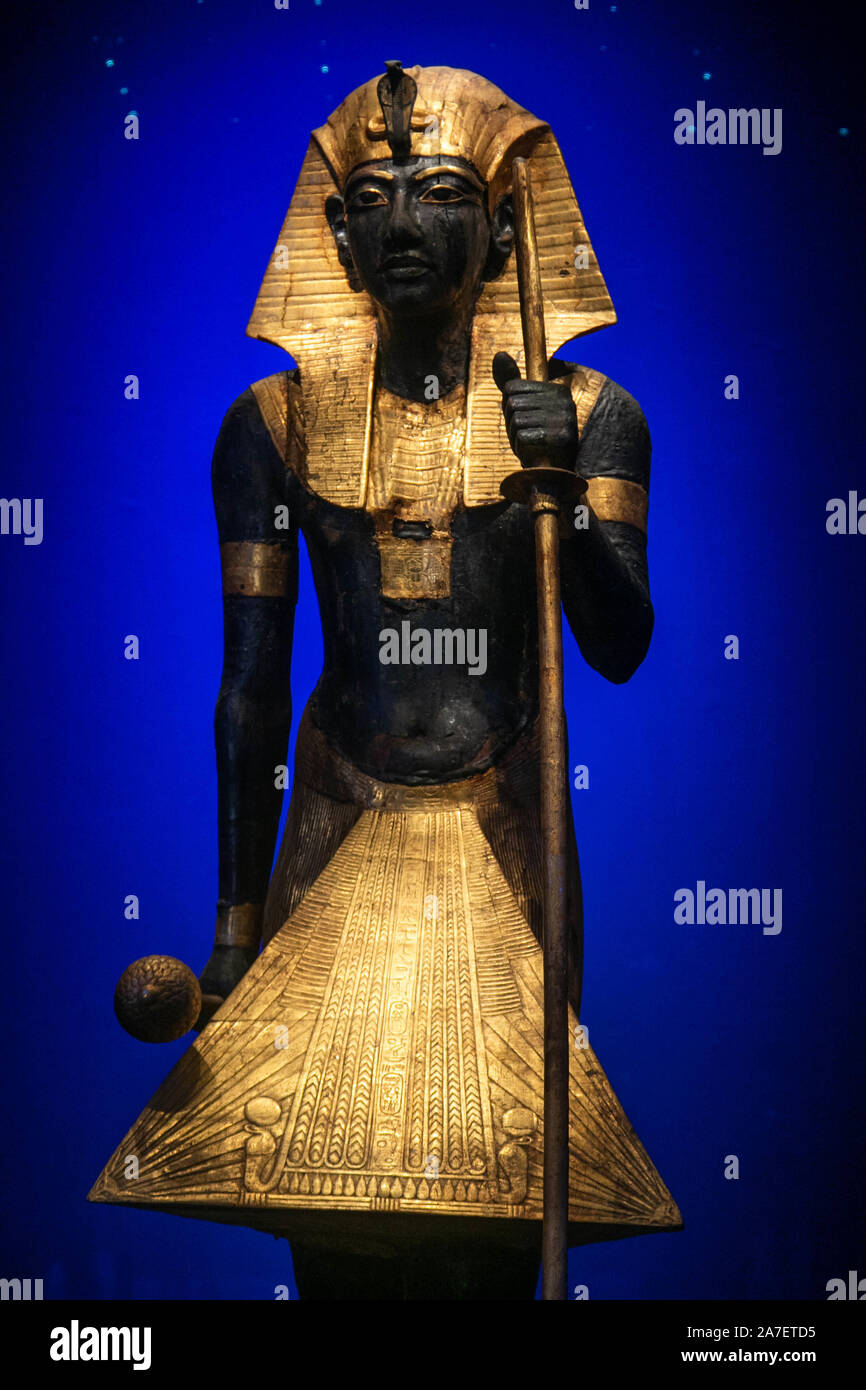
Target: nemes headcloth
pixel 306 305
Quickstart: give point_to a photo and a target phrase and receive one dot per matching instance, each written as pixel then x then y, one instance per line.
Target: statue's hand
pixel 539 415
pixel 225 969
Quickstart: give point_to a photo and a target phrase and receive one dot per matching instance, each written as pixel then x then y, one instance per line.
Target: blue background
pixel 145 257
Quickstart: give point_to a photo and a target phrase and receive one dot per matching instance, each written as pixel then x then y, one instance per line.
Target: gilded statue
pixel 368 1075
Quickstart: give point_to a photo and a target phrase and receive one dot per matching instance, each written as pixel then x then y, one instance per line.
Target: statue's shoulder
pixel 270 410
pixel 585 384
pixel 279 403
pixel 614 436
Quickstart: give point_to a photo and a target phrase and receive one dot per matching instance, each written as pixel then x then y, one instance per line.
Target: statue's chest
pixel 397 504
pixel 468 551
pixel 410 534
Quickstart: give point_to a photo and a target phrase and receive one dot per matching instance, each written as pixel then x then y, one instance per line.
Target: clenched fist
pixel 539 415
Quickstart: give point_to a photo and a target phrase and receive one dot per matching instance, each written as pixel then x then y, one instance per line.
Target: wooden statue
pixel 371 1083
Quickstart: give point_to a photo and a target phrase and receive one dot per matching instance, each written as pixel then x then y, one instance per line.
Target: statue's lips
pixel 404 267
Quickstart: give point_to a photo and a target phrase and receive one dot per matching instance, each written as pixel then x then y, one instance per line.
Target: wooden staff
pixel 544 489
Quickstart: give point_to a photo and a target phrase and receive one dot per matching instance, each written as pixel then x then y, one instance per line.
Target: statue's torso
pixel 416 559
pixel 423 719
pixel 427 606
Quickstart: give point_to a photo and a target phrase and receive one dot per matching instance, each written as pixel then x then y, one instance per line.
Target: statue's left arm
pixel 603 557
pixel 603 561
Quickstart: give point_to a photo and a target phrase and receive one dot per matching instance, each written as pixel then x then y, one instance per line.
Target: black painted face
pixel 416 233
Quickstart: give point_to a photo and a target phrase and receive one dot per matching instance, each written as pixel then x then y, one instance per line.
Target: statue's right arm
pixel 259 560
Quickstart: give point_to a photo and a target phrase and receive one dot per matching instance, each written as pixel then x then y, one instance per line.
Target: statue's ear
pixel 335 212
pixel 501 238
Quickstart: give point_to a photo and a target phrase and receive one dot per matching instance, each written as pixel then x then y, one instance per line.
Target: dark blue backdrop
pixel 145 257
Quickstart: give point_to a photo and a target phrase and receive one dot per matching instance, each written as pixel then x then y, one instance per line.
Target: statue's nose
pixel 403 223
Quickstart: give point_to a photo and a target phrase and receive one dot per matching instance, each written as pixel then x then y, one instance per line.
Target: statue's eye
pixel 368 198
pixel 442 193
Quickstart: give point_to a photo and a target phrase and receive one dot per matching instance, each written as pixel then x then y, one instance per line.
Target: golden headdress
pixel 306 306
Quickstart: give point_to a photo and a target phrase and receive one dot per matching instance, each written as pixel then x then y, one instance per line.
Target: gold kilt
pixel 384 1054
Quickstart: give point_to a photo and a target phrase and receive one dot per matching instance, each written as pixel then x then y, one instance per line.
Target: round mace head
pixel 157 999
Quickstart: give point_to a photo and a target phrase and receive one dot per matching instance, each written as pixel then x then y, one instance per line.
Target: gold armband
pixel 616 499
pixel 239 925
pixel 254 568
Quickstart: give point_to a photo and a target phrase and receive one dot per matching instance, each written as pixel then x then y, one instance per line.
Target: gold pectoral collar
pixel 414 484
pixel 418 473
